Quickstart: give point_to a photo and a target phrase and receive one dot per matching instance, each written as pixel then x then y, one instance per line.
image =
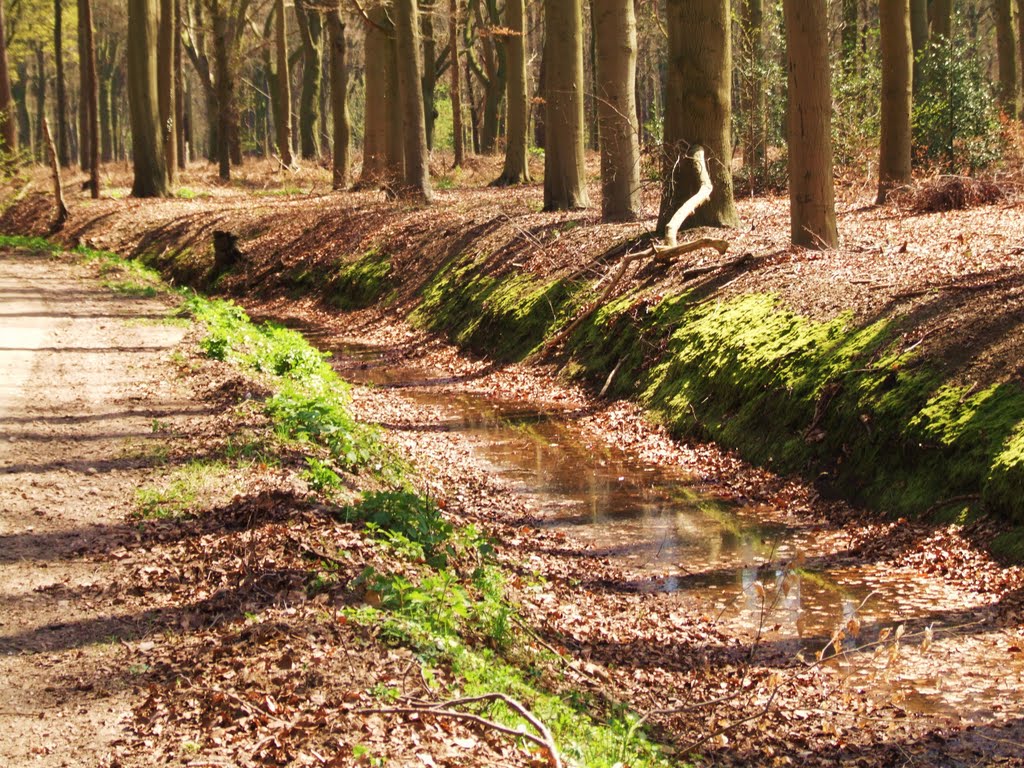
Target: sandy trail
pixel 81 382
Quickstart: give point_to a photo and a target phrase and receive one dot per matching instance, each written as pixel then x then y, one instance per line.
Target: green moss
pixel 181 266
pixel 505 317
pixel 832 400
pixel 361 283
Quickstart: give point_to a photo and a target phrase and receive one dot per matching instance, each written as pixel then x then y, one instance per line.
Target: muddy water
pixel 688 546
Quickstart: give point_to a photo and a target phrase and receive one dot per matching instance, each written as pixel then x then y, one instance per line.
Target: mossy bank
pixel 864 404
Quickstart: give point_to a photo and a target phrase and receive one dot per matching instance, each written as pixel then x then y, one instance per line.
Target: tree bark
pixel 40 52
pixel 941 19
pixel 426 9
pixel 58 187
pixel 165 82
pixel 1019 14
pixel 339 100
pixel 698 109
pixel 283 116
pixel 897 75
pixel 147 148
pixel 565 186
pixel 410 69
pixel 517 168
pixel 84 140
pixel 918 35
pixel 311 34
pixel 181 148
pixel 378 70
pixel 753 97
pixel 63 152
pixel 456 86
pixel 1006 49
pixel 92 98
pixel 812 213
pixel 225 102
pixel 615 31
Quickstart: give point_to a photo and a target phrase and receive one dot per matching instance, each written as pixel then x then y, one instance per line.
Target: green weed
pixel 181 491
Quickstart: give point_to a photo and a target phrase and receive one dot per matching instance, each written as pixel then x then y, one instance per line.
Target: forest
pixel 620 383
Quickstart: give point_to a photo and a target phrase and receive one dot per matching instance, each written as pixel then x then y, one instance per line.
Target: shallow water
pixel 683 543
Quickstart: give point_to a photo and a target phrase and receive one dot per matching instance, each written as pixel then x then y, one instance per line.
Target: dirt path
pixel 82 379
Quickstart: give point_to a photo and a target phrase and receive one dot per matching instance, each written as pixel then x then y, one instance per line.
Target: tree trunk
pixel 63 151
pixel 225 101
pixel 698 110
pixel 941 19
pixel 615 86
pixel 311 33
pixel 565 185
pixel 84 140
pixel 165 82
pixel 897 75
pixel 1019 14
pixel 1007 52
pixel 106 131
pixel 850 33
pixel 517 168
pixel 147 147
pixel 426 9
pixel 379 106
pixel 283 115
pixel 410 69
pixel 40 100
pixel 812 213
pixel 453 42
pixel 918 35
pixel 92 98
pixel 19 94
pixel 540 135
pixel 339 100
pixel 753 96
pixel 179 92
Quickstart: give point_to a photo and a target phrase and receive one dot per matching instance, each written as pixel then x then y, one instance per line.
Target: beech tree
pixel 91 96
pixel 698 109
pixel 517 168
pixel 311 35
pixel 283 113
pixel 165 83
pixel 918 35
pixel 1006 51
pixel 63 151
pixel 894 167
pixel 456 86
pixel 8 125
pixel 410 69
pixel 615 33
pixel 565 185
pixel 339 100
pixel 147 145
pixel 812 214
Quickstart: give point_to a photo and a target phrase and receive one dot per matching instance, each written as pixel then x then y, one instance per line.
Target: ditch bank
pixel 888 372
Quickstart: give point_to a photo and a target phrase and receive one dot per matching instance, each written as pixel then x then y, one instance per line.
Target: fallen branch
pixel 443 709
pixel 725 728
pixel 658 253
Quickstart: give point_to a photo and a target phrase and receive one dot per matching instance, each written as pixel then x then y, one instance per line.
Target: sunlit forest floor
pixel 195 637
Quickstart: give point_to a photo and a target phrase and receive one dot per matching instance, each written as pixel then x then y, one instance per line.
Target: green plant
pixel 179 493
pixel 956 117
pixel 321 478
pixel 857 118
pixel 407 520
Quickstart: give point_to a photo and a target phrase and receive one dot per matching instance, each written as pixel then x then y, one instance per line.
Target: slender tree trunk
pixel 179 92
pixel 84 140
pixel 283 115
pixel 918 35
pixel 517 168
pixel 63 153
pixel 851 33
pixel 1019 14
pixel 40 100
pixel 410 69
pixel 426 9
pixel 897 75
pixel 540 135
pixel 339 100
pixel 754 99
pixel 92 97
pixel 375 113
pixel 147 147
pixel 106 130
pixel 165 82
pixel 311 33
pixel 225 90
pixel 809 125
pixel 394 153
pixel 19 93
pixel 456 88
pixel 565 185
pixel 698 110
pixel 615 89
pixel 1007 52
pixel 941 19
